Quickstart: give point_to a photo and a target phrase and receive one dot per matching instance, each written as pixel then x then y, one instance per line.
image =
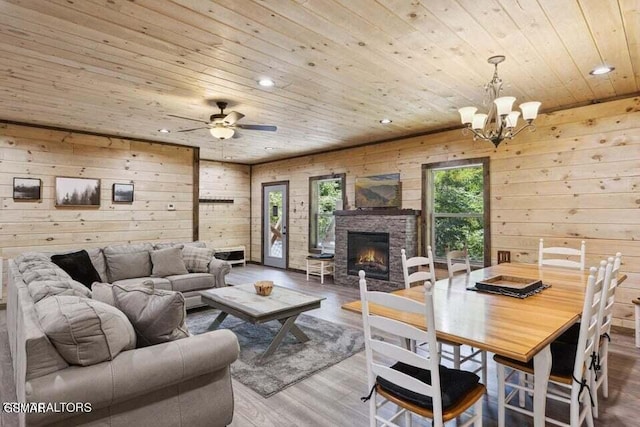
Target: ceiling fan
pixel 223 126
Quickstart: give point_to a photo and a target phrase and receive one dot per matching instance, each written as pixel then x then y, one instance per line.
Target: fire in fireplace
pixel 368 252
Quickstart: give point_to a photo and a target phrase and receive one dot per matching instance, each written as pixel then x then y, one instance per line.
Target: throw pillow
pixel 103 292
pixel 197 259
pixel 167 262
pixel 41 289
pixel 78 265
pixel 156 315
pixel 84 331
pixel 168 245
pixel 128 265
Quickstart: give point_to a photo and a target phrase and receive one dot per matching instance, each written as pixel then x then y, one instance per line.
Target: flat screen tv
pixel 378 191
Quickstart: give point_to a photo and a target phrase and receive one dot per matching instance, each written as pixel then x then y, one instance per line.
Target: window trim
pixel 312 179
pixel 427 208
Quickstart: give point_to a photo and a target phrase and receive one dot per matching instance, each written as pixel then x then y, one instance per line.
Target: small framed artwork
pixel 27 189
pixel 78 192
pixel 122 193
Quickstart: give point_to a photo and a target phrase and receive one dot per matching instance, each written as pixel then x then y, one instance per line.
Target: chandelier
pixel 500 122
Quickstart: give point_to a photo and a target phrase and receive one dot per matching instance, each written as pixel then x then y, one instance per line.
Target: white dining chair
pixel 405 382
pixel 448 350
pixel 458 261
pixel 571 381
pixel 601 379
pixel 563 252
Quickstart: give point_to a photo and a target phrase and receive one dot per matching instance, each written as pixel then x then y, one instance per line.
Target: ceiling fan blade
pixel 268 128
pixel 188 118
pixel 189 130
pixel 232 117
pixel 237 135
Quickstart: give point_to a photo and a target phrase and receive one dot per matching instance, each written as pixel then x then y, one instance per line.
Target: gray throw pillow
pixel 128 265
pixel 103 292
pixel 168 245
pixel 156 315
pixel 167 262
pixel 84 331
pixel 197 259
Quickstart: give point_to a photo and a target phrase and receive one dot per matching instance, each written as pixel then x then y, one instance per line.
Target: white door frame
pixel 283 261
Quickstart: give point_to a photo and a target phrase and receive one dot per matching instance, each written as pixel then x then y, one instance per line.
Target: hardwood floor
pixel 332 397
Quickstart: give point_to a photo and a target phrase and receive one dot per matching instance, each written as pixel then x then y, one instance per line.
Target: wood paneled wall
pixel 225 224
pixel 161 174
pixel 577 177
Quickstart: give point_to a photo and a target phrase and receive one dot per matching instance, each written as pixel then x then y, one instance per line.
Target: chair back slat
pixel 427 270
pixel 393 351
pixel 587 341
pixel 403 380
pixel 395 302
pixel 398 328
pixel 562 251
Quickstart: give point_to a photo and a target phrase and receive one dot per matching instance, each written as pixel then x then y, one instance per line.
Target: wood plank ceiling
pixel 122 66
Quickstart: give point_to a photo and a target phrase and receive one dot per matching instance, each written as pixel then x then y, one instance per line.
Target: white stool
pixel 319 267
pixel 636 302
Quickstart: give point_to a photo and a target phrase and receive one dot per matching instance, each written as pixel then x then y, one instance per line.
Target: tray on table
pixel 520 287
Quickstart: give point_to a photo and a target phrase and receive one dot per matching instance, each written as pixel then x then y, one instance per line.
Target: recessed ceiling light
pixel 268 148
pixel 163 130
pixel 266 82
pixel 386 121
pixel 602 69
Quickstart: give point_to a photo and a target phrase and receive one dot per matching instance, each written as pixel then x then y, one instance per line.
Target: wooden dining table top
pixel 511 327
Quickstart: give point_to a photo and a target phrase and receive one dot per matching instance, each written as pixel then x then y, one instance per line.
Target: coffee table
pixel 283 305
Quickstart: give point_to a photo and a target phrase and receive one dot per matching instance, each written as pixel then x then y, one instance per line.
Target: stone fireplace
pixel 368 252
pixel 371 240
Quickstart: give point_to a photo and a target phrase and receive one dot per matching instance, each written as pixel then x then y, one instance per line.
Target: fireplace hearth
pixel 369 252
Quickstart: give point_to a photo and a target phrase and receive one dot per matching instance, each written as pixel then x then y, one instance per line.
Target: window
pixel 457 207
pixel 326 195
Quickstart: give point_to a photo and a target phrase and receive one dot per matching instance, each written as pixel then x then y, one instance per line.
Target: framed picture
pixel 379 191
pixel 83 192
pixel 27 188
pixel 122 193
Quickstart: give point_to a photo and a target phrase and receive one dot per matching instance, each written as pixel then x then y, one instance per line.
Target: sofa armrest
pixel 219 268
pixel 137 372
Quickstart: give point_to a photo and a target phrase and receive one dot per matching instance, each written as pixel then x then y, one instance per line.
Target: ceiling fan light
pixel 530 110
pixel 221 132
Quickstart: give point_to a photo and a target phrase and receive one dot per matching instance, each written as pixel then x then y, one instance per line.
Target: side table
pixel 319 267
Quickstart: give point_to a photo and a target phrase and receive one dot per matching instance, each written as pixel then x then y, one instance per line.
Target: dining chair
pixel 413 383
pixel 601 378
pixel 571 368
pixel 564 252
pixel 458 261
pixel 448 350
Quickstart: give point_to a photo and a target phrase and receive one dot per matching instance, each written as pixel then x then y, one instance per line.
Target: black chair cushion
pixel 79 266
pixel 455 385
pixel 563 358
pixel 571 335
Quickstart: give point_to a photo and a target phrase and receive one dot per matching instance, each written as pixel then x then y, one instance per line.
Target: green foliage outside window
pixel 329 194
pixel 459 191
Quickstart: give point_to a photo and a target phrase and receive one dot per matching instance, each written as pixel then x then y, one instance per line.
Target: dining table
pixel 517 328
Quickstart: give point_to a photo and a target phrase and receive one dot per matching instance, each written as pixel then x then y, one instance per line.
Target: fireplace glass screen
pixel 368 252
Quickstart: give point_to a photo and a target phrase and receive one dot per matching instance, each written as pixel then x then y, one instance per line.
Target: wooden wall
pixel 577 177
pixel 161 174
pixel 225 224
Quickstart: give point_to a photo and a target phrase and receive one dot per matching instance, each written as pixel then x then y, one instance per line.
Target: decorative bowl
pixel 263 287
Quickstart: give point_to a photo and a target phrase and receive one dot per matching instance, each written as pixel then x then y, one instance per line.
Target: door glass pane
pixel 454 233
pixel 275 224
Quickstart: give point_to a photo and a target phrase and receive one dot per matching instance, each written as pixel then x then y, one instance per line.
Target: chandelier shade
pixel 501 121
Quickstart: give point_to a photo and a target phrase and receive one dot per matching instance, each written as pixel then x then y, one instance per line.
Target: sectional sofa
pixel 182 382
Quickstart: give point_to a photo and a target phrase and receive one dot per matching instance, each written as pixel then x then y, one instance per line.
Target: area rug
pixel 293 361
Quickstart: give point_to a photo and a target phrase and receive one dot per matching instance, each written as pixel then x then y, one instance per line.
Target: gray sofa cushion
pixel 192 282
pixel 50 273
pixel 84 331
pixel 128 265
pixel 167 262
pixel 35 265
pixel 157 316
pixel 128 249
pixel 97 259
pixel 168 245
pixel 197 259
pixel 41 289
pixel 158 282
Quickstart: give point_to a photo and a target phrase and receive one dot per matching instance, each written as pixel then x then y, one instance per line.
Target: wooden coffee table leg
pixel 297 332
pixel 218 320
pixel 284 329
